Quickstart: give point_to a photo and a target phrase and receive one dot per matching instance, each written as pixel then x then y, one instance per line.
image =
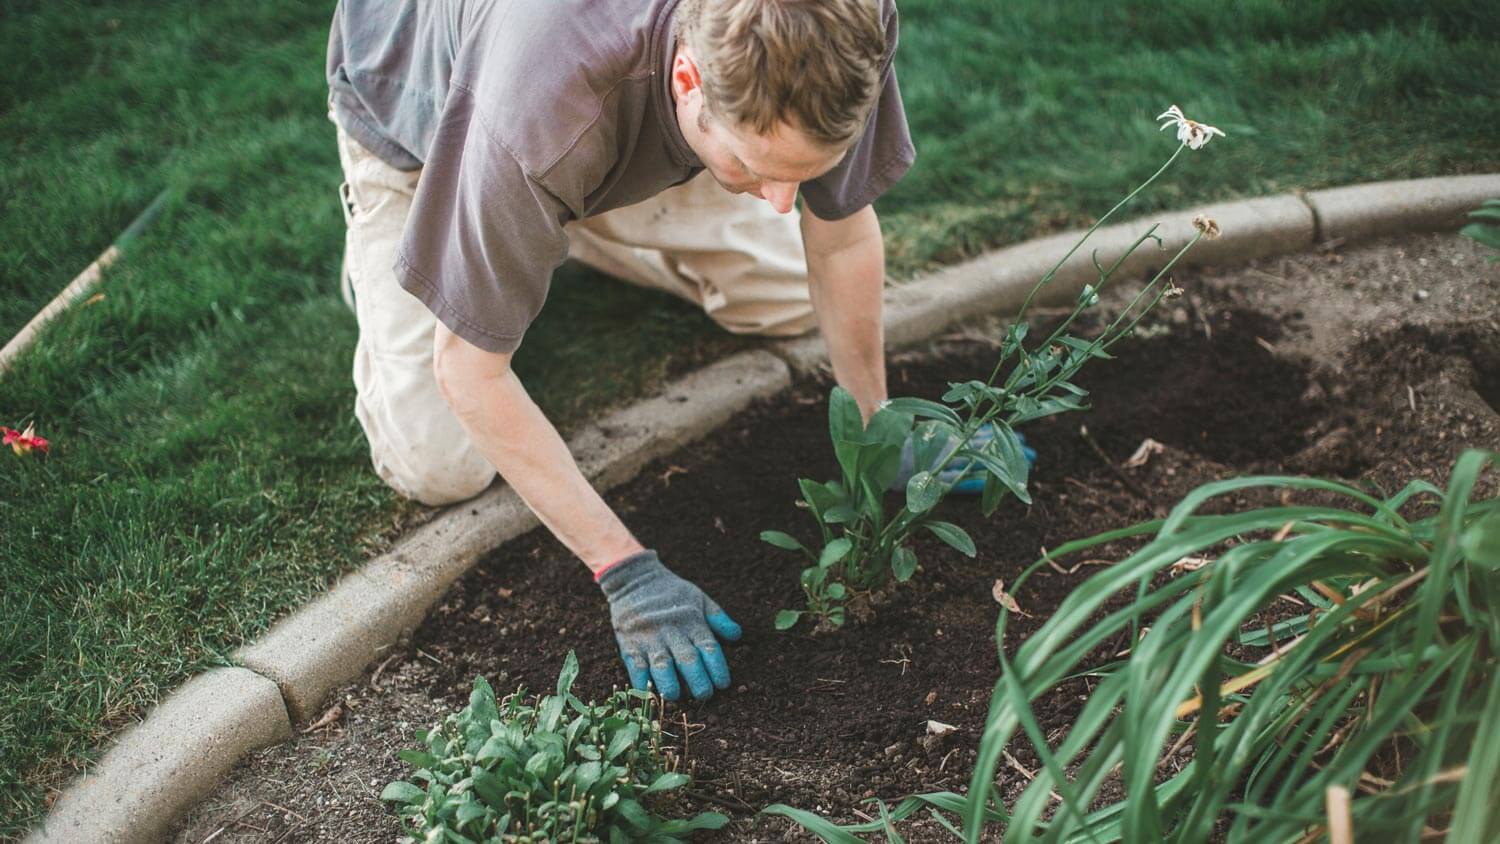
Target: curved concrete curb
pixel 1380 208
pixel 998 281
pixel 162 767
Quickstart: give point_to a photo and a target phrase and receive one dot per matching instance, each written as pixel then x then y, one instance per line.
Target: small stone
pixel 505 593
pixel 743 690
pixel 1421 295
pixel 931 697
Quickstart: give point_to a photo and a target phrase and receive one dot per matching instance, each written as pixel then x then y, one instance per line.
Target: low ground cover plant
pixel 860 547
pixel 548 769
pixel 1485 227
pixel 1367 706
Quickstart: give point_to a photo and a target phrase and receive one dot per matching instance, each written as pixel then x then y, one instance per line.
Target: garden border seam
pixel 160 768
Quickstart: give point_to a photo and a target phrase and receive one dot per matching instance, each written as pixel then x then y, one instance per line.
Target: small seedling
pixel 548 769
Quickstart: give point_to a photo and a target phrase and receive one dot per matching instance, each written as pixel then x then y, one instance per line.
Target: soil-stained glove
pixel 966 477
pixel 666 626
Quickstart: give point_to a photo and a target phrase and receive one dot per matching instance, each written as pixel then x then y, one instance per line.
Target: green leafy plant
pixel 552 769
pixel 860 546
pixel 1369 706
pixel 1486 226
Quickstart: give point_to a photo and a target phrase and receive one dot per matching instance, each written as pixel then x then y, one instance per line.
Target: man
pixel 481 139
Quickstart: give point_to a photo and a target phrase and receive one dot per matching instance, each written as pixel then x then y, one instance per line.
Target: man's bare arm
pixel 512 432
pixel 846 269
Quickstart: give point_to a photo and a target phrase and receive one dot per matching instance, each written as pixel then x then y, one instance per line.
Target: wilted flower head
pixel 1189 132
pixel 22 442
pixel 1208 225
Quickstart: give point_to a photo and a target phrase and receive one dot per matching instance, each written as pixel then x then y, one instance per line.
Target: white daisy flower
pixel 1189 132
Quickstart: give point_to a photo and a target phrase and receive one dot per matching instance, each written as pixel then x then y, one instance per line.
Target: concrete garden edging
pixel 163 766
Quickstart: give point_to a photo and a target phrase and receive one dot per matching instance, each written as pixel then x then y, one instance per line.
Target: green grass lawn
pixel 207 473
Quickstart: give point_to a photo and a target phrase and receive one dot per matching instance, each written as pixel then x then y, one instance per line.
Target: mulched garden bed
pixel 1249 374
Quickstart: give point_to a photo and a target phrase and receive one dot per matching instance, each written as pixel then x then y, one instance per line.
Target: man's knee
pixel 438 483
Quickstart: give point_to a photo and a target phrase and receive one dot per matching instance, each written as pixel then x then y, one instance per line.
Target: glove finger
pixel 983 435
pixel 972 485
pixel 690 666
pixel 719 621
pixel 663 674
pixel 1026 450
pixel 635 666
pixel 713 660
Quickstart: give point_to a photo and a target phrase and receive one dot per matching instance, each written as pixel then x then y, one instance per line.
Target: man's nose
pixel 781 195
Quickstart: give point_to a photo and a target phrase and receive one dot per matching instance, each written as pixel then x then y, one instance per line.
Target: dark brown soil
pixel 1232 381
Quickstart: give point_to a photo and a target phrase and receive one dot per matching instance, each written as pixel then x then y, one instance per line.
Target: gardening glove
pixel 965 477
pixel 665 627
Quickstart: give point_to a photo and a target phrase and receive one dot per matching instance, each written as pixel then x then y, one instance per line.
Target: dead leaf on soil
pixel 1143 453
pixel 1005 599
pixel 329 718
pixel 1189 564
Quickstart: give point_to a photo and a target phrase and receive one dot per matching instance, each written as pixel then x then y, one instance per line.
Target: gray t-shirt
pixel 527 114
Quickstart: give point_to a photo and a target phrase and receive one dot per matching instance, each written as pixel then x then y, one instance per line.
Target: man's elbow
pixel 464 370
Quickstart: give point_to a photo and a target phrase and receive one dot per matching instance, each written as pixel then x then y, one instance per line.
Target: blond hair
pixel 812 64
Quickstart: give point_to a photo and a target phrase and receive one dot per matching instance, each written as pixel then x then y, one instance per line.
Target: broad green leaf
pixel 588 773
pixel 1486 234
pixel 634 814
pixel 923 492
pixel 782 540
pixel 954 535
pixel 539 765
pixel 667 782
pixel 903 563
pixel 786 619
pixel 840 514
pixel 417 758
pixel 403 792
pixel 469 810
pixel 844 419
pixel 551 713
pixel 834 551
pixel 837 591
pixel 568 675
pixel 482 706
pixel 889 427
pixel 622 740
pixel 881 469
pixel 925 408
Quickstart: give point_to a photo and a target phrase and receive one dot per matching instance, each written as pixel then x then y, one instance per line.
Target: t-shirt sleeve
pixel 877 161
pixel 483 236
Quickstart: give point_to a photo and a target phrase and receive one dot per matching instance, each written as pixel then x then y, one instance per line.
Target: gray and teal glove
pixel 963 476
pixel 666 626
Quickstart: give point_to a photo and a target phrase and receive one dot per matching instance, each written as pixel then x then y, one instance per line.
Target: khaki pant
pixel 733 255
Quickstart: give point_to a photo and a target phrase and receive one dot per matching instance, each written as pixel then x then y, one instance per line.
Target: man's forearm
pixel 514 434
pixel 846 269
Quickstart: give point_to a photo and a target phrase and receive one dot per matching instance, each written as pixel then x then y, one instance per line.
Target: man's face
pixel 770 166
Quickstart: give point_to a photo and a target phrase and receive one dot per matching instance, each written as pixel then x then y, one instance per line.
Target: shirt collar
pixel 663 46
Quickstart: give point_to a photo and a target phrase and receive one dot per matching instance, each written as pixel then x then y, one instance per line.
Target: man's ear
pixel 685 78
